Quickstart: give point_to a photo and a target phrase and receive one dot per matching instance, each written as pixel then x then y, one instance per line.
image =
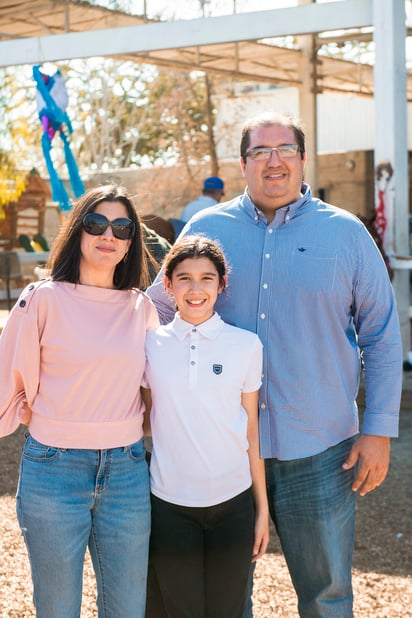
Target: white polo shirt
pixel 197 375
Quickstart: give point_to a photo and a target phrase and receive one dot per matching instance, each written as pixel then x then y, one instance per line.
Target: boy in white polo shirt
pixel 209 505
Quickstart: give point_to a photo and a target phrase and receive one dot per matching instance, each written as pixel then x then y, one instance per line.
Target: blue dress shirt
pixel 313 285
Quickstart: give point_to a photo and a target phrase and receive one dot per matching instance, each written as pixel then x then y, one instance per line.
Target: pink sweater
pixel 71 363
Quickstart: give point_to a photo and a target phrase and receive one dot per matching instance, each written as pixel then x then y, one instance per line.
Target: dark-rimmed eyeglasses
pixel 285 151
pixel 96 224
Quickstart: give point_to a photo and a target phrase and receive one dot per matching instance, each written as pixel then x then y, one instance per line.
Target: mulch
pixel 382 573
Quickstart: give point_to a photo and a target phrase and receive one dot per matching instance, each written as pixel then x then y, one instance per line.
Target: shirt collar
pixel 209 329
pixel 281 213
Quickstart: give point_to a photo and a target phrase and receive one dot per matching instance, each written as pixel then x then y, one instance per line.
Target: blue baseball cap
pixel 213 183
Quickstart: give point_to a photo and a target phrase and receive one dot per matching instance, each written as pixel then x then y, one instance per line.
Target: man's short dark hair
pixel 269 119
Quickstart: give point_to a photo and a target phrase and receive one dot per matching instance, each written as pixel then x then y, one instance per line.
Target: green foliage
pixel 134 115
pixel 16 117
pixel 175 123
pixel 123 114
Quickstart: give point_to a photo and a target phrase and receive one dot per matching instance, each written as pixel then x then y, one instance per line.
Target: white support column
pixel 391 140
pixel 308 104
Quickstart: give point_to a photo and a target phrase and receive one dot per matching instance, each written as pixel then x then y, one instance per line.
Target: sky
pixel 191 9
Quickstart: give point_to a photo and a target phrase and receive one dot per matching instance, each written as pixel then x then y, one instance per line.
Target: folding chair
pixel 42 241
pixel 24 240
pixel 10 268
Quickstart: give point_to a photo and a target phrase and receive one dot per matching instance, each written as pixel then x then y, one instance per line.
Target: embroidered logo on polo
pixel 217 369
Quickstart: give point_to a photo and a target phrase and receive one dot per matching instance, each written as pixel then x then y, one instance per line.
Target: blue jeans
pixel 248 610
pixel 71 499
pixel 313 508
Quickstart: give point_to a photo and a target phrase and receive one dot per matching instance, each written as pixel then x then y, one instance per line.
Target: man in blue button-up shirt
pixel 310 281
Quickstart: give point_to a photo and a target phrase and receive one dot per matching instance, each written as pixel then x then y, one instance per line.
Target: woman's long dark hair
pixel 64 261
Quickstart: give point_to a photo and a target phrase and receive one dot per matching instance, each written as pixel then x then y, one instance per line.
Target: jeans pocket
pixel 36 451
pixel 137 451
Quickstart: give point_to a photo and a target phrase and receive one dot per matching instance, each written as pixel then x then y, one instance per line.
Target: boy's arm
pixel 257 470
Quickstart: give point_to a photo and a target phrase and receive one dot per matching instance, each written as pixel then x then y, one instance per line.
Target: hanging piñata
pixel 52 100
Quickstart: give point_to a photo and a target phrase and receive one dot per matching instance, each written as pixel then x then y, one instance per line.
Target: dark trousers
pixel 201 557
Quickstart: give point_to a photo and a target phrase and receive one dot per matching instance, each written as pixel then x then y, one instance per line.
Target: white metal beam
pixel 307 19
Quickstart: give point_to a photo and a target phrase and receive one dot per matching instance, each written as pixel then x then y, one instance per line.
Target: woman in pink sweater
pixel 71 362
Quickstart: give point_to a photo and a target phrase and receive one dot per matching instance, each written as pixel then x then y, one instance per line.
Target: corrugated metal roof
pixel 35 18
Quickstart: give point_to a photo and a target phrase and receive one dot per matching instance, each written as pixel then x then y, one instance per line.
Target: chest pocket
pixel 314 268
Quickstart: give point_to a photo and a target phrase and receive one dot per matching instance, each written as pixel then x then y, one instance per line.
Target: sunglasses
pixel 96 225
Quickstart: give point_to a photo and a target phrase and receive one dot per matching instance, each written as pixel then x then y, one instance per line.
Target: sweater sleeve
pixel 152 318
pixel 19 368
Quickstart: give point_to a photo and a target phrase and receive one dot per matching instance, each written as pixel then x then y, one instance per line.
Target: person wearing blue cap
pixel 212 193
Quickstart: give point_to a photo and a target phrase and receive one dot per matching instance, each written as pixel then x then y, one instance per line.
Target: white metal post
pixel 391 142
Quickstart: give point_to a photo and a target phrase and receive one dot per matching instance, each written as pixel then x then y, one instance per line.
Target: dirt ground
pixel 382 562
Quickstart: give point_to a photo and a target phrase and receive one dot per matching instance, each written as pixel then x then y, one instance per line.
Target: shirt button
pixel 193 347
pixel 265 286
pixel 263 406
pixel 31 287
pixel 193 330
pixel 192 362
pixel 22 303
pixel 262 315
pixel 267 256
pixel 287 217
pixel 270 231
